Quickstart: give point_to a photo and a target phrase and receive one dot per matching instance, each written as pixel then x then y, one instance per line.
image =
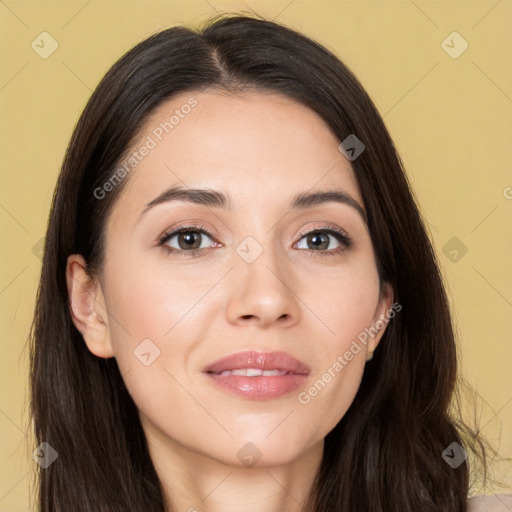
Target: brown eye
pixel 325 240
pixel 317 241
pixel 187 240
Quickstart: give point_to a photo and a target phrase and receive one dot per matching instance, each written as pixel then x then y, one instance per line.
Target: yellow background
pixel 450 119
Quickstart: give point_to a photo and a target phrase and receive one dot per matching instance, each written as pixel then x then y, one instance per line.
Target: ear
pixel 383 314
pixel 87 307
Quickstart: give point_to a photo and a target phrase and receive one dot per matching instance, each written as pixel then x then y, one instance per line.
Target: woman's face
pixel 257 282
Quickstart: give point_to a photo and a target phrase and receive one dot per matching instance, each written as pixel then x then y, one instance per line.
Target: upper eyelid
pixel 324 227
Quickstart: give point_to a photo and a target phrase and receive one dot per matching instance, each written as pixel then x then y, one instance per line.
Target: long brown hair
pixel 385 453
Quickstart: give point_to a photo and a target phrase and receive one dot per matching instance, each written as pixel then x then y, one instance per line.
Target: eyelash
pixel 184 229
pixel 339 234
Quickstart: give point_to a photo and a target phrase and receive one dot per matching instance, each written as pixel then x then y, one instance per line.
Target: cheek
pixel 346 304
pixel 157 321
pixel 147 300
pixel 332 391
pixel 345 301
pixel 148 309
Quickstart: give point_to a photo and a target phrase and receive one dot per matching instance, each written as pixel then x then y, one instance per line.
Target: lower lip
pixel 259 388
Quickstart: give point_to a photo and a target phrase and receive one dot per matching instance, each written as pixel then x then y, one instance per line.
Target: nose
pixel 261 292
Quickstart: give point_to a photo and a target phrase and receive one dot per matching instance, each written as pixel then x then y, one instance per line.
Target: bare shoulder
pixel 493 503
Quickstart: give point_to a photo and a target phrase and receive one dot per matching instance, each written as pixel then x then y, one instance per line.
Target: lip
pixel 261 387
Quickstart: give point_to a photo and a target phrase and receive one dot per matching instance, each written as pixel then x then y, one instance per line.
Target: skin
pixel 261 149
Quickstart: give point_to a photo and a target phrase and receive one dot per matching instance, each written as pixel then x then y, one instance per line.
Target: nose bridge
pixel 260 263
pixel 261 282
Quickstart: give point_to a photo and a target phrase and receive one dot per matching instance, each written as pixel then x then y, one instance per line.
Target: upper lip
pixel 262 360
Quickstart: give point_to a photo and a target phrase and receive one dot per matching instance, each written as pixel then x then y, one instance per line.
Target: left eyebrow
pixel 213 198
pixel 309 199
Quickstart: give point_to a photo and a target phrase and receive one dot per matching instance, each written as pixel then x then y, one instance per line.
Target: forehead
pixel 257 147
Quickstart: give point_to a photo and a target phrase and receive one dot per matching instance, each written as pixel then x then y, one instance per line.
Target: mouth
pixel 252 372
pixel 258 375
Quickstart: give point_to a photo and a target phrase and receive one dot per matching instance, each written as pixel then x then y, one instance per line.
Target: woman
pixel 239 306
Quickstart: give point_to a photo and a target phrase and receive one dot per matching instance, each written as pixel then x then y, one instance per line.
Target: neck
pixel 195 482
